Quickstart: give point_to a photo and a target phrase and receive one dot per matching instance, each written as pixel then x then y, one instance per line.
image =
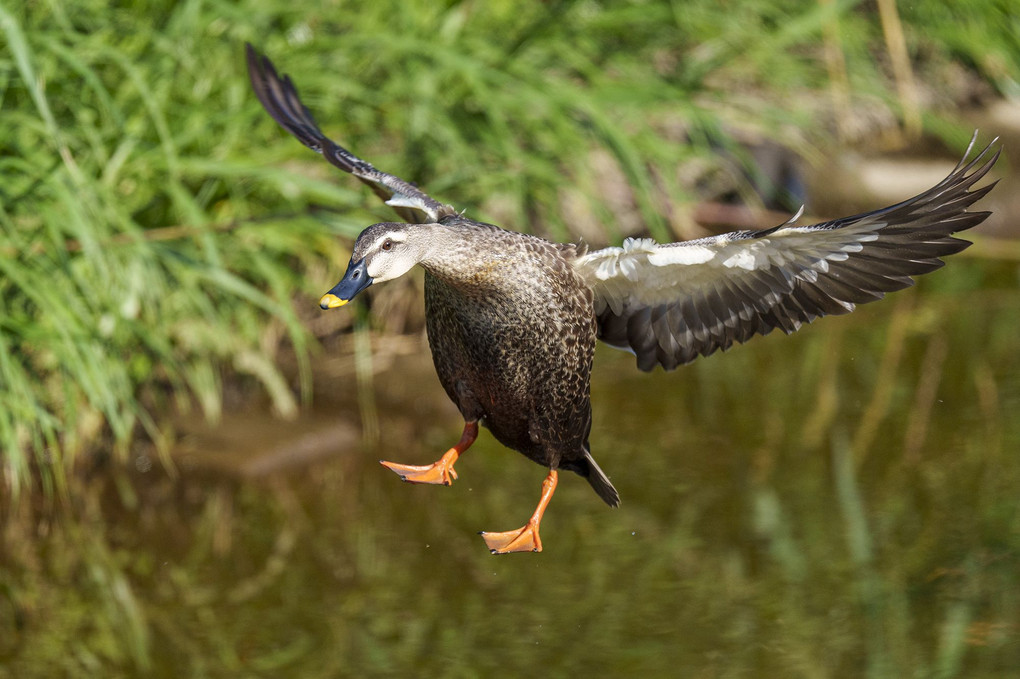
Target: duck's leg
pixel 441 471
pixel 525 539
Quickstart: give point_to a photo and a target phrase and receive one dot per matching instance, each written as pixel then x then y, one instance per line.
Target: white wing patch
pixel 622 261
pixel 685 256
pixel 647 273
pixel 400 200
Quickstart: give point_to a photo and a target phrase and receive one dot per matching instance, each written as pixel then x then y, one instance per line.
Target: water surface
pixel 838 503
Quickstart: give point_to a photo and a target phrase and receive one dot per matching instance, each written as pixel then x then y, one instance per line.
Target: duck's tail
pixel 600 482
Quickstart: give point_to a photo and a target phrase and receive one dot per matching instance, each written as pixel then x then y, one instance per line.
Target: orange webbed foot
pixel 525 539
pixel 439 472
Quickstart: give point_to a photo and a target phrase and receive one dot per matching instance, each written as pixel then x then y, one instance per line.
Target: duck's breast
pixel 512 338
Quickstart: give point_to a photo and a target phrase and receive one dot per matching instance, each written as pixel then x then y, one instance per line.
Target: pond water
pixel 843 502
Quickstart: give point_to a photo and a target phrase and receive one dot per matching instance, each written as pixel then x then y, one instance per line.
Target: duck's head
pixel 382 252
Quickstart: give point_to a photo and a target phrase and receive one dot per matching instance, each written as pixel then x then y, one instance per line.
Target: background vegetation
pixel 157 225
pixel 162 242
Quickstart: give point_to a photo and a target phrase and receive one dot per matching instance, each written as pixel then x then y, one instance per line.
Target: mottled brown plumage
pixel 519 367
pixel 512 319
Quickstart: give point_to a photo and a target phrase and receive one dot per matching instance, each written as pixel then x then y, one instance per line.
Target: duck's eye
pixel 387 244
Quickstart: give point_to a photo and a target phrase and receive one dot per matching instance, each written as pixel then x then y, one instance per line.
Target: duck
pixel 513 319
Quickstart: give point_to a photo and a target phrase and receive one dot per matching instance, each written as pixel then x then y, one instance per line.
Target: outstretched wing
pixel 280 98
pixel 672 302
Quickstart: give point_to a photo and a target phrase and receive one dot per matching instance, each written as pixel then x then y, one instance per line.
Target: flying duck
pixel 512 319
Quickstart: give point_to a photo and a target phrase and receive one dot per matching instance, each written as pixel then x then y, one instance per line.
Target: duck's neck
pixel 463 255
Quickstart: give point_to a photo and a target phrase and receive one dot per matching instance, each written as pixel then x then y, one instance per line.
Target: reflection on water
pixel 842 502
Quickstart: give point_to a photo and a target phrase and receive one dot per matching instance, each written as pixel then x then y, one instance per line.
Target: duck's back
pixel 512 333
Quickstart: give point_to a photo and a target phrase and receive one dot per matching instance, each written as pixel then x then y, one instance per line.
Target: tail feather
pixel 600 482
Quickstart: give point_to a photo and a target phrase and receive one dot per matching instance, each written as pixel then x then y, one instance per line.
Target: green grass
pixel 157 229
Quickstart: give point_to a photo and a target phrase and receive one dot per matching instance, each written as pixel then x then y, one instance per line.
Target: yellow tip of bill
pixel 331 301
